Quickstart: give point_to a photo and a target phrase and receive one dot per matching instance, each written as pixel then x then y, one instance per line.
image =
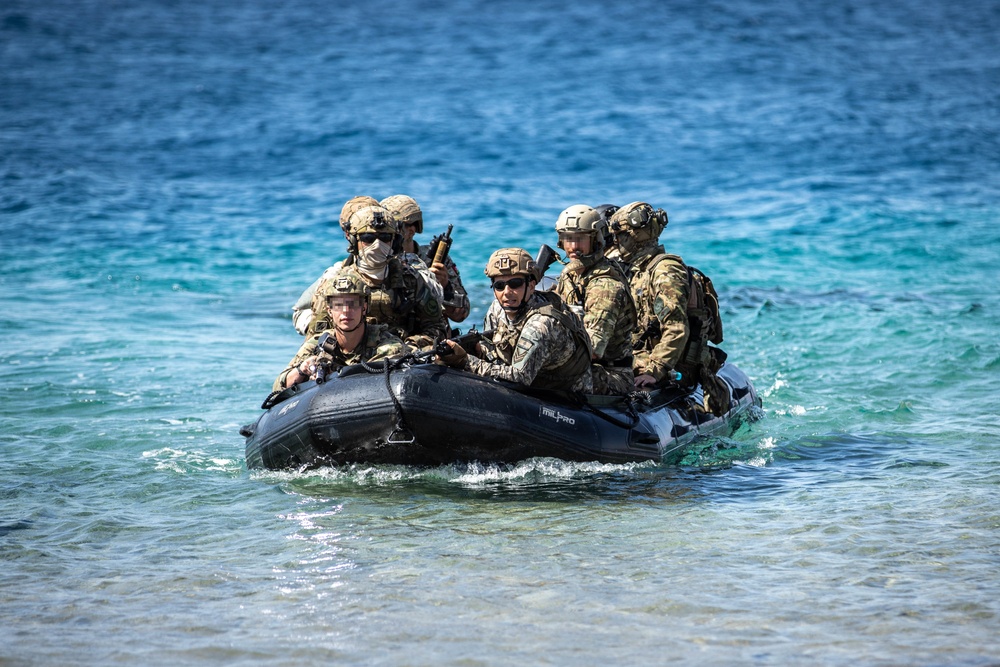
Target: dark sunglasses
pixel 369 237
pixel 513 283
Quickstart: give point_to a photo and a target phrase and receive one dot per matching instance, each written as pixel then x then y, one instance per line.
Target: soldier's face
pixel 346 311
pixel 409 231
pixel 576 245
pixel 513 291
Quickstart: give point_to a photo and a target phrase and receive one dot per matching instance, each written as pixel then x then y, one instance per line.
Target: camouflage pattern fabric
pixel 599 288
pixel 379 344
pixel 612 380
pixel 660 292
pixel 456 299
pixel 601 292
pixel 533 349
pixel 403 301
pixel 415 261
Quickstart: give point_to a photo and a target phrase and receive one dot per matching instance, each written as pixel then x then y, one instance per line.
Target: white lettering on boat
pixel 552 413
pixel 287 408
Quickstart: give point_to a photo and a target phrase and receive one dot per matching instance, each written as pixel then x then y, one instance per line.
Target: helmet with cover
pixel 511 262
pixel 351 207
pixel 405 210
pixel 347 282
pixel 637 225
pixel 582 219
pixel 371 223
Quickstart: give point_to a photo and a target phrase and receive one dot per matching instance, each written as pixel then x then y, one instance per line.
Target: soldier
pixel 355 340
pixel 302 310
pixel 538 341
pixel 661 286
pixel 407 213
pixel 597 290
pixel 400 297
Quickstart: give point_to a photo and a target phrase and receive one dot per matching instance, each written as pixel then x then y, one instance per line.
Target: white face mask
pixel 372 260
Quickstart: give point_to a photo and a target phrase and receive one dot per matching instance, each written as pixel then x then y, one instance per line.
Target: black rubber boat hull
pixel 450 416
pixel 443 416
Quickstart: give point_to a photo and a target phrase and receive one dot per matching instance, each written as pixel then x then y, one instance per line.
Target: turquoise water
pixel 169 176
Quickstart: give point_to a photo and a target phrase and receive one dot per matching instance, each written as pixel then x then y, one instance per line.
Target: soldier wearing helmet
pixel 661 286
pixel 302 310
pixel 347 298
pixel 597 290
pixel 538 342
pixel 400 297
pixel 410 218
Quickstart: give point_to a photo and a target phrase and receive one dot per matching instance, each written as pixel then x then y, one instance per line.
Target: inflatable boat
pixel 427 414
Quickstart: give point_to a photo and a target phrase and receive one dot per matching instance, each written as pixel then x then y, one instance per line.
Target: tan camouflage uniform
pixel 601 292
pixel 456 299
pixel 661 297
pixel 536 350
pixel 403 301
pixel 379 343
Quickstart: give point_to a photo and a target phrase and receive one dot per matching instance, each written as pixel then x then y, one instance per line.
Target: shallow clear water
pixel 169 178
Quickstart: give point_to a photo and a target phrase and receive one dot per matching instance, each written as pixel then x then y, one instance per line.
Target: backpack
pixel 703 305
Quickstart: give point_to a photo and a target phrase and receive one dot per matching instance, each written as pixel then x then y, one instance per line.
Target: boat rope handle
pixel 400 421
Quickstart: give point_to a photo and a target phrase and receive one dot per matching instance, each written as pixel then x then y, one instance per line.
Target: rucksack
pixel 703 305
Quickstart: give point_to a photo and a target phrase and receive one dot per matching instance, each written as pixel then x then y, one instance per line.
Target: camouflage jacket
pixel 601 291
pixel 456 299
pixel 659 285
pixel 403 301
pixel 546 347
pixel 415 261
pixel 379 343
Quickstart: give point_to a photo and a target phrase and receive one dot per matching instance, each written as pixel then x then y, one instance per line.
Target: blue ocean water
pixel 170 178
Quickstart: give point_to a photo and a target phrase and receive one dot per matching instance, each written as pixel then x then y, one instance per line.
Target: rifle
pixel 466 341
pixel 546 257
pixel 440 245
pixel 323 366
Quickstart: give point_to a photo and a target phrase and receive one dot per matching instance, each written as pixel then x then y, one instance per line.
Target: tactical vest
pixel 565 374
pixel 368 348
pixel 703 318
pixel 392 303
pixel 612 268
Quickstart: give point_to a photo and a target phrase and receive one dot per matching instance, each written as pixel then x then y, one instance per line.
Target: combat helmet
pixel 347 282
pixel 582 219
pixel 351 207
pixel 373 220
pixel 405 210
pixel 606 211
pixel 636 225
pixel 511 262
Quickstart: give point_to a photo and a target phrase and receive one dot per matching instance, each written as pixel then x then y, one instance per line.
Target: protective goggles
pixel 370 237
pixel 513 283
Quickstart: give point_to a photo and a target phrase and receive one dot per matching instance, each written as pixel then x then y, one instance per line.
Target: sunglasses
pixel 369 237
pixel 513 283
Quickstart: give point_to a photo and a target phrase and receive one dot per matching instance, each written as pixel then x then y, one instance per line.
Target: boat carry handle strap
pixel 399 428
pixel 630 401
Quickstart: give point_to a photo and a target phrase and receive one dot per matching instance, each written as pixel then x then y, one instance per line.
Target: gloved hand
pixel 456 356
pixel 420 341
